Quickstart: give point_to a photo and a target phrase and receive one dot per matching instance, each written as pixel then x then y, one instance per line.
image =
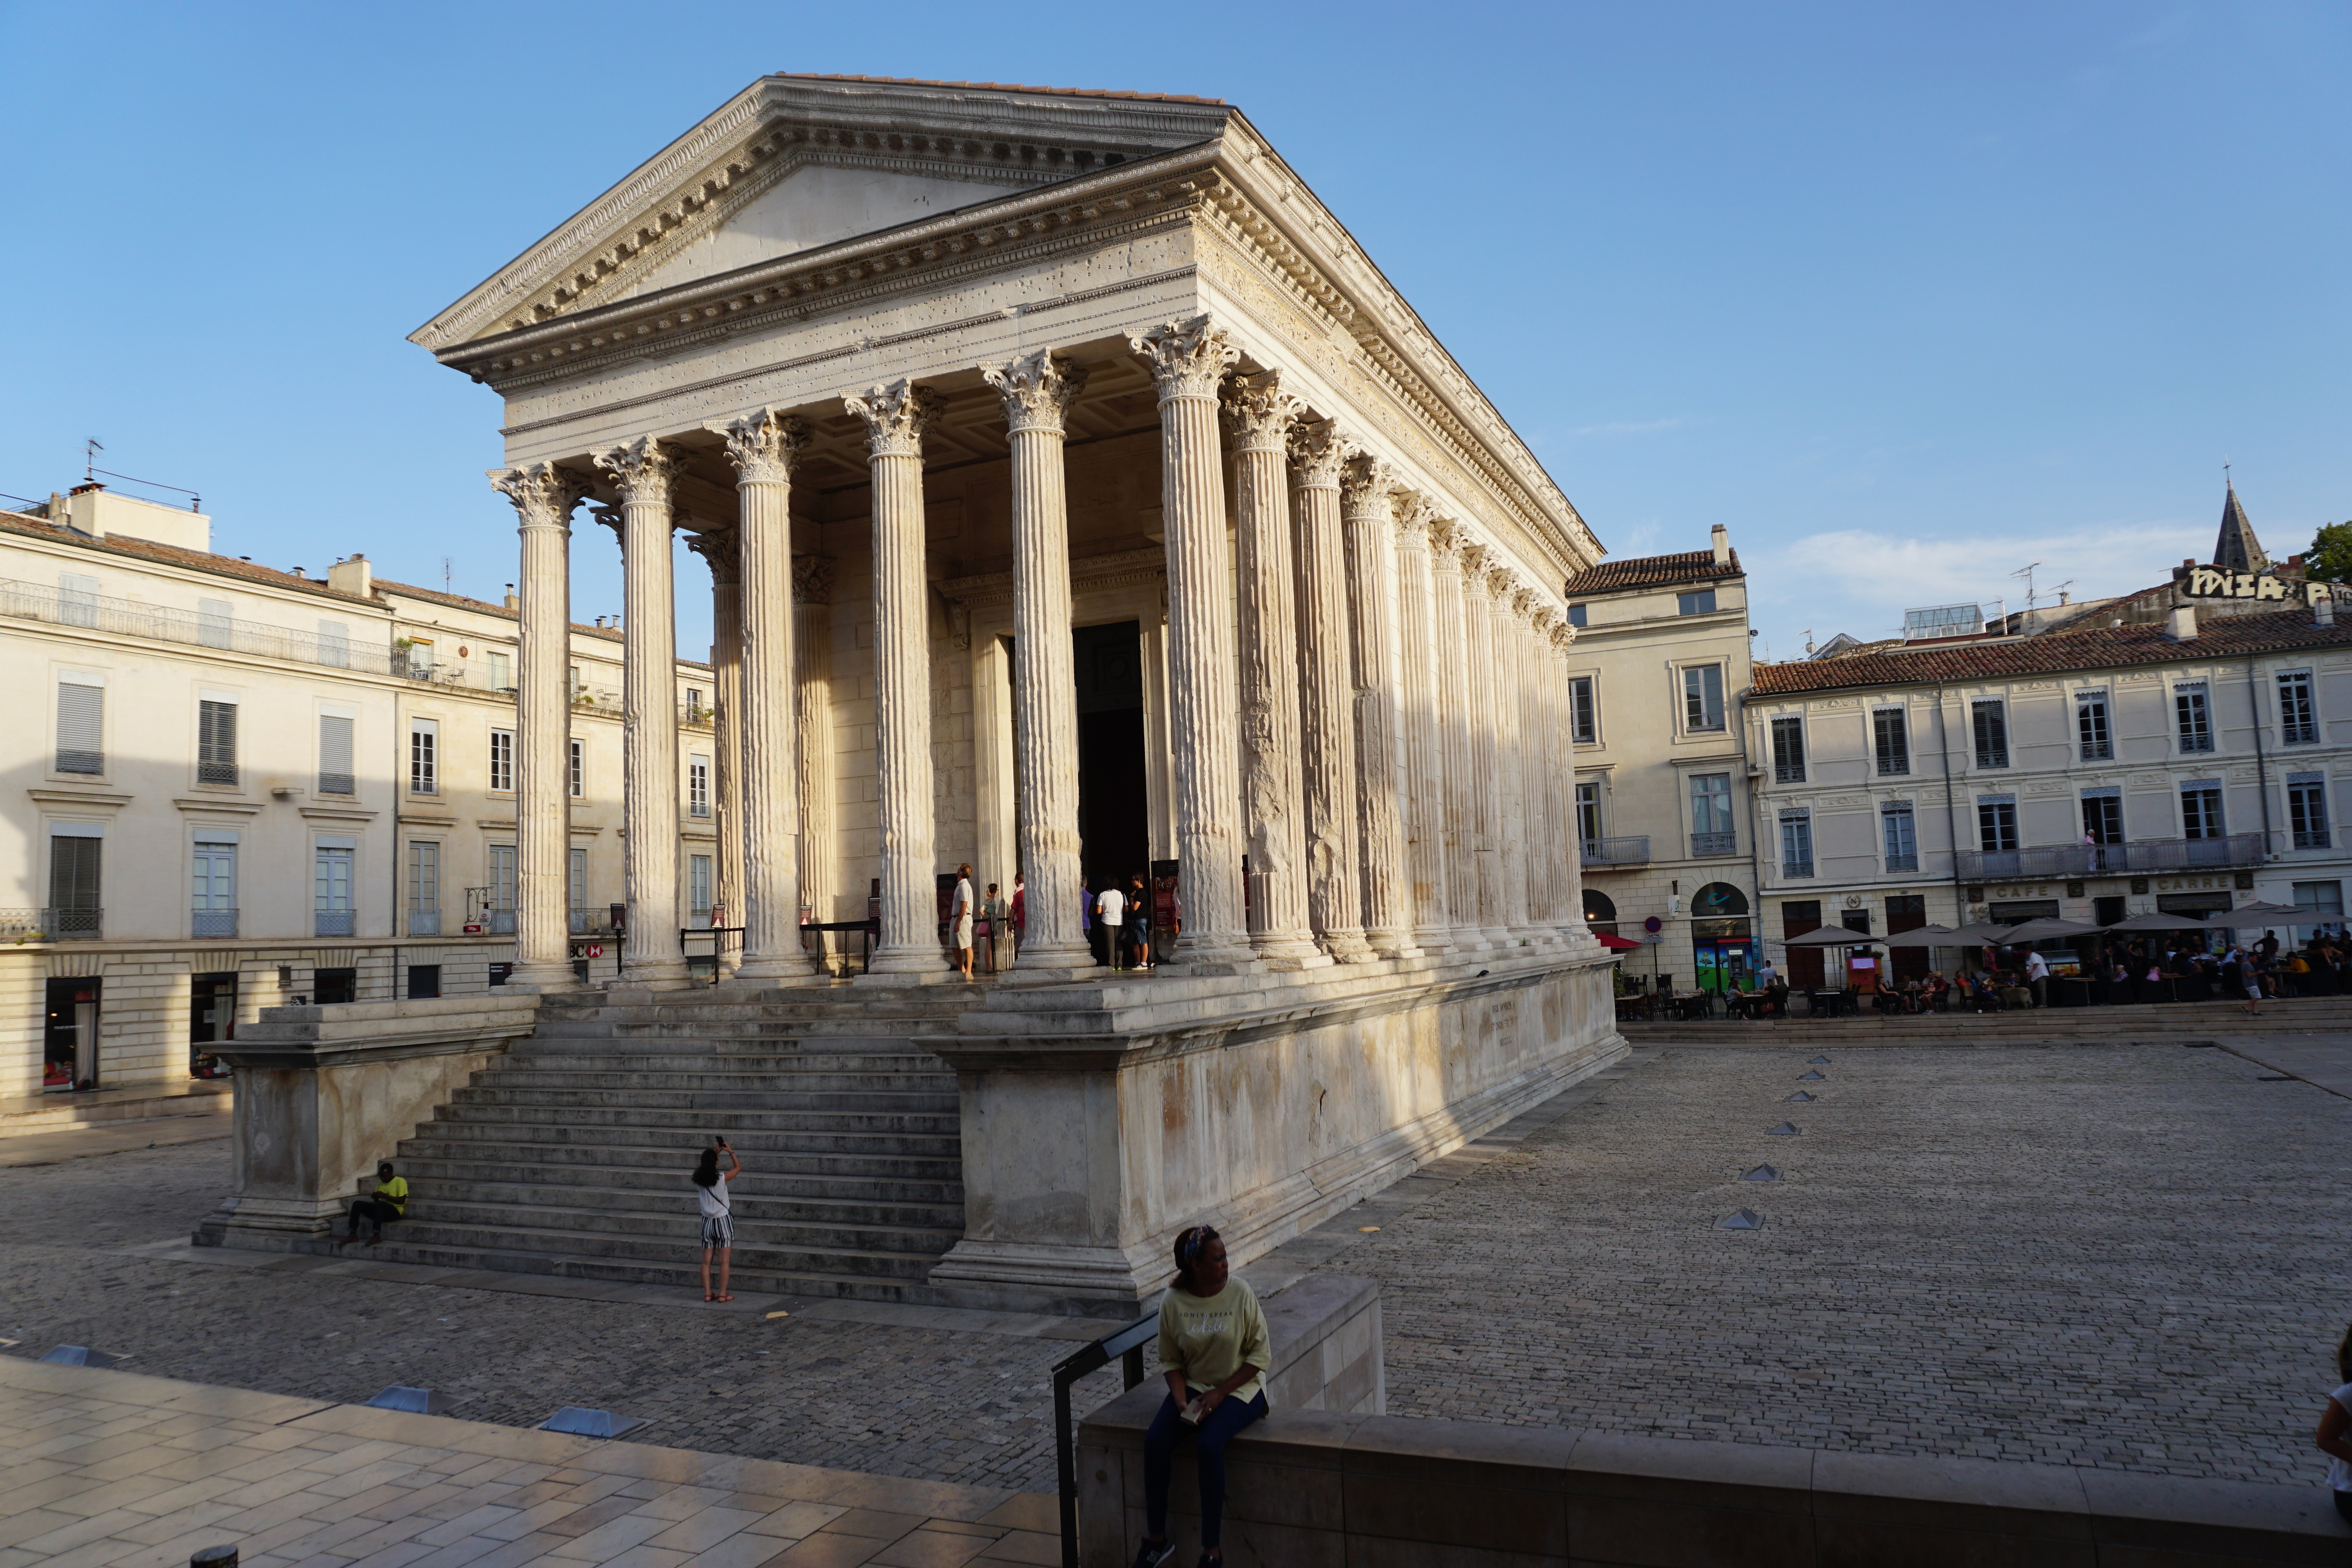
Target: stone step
pixel 678 1221
pixel 686 1143
pixel 682 1276
pixel 794 1079
pixel 725 1054
pixel 741 1097
pixel 903 1179
pixel 683 1252
pixel 668 1193
pixel 583 1110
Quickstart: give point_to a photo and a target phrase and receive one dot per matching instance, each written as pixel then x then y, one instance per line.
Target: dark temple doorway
pixel 1113 816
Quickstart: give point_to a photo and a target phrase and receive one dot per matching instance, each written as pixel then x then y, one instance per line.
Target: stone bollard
pixel 214 1557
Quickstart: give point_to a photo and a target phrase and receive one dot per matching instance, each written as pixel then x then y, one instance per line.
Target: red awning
pixel 1614 943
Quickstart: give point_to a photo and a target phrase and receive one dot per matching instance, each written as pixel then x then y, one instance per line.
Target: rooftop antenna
pixel 90 451
pixel 448 576
pixel 1809 641
pixel 2026 572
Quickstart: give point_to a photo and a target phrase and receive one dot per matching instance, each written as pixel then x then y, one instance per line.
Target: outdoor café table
pixel 1633 1008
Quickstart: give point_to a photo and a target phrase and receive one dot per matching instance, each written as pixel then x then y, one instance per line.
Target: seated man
pixel 380 1207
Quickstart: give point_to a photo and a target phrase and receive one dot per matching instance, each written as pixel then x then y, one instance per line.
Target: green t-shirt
pixel 393 1192
pixel 1208 1338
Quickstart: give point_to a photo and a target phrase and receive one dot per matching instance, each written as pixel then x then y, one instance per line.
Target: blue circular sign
pixel 1653 925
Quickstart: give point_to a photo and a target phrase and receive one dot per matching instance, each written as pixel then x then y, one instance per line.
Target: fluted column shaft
pixel 716 546
pixel 1327 697
pixel 813 734
pixel 1038 391
pixel 895 417
pixel 1535 754
pixel 1370 523
pixel 543 497
pixel 1187 361
pixel 651 952
pixel 1570 915
pixel 1423 761
pixel 1487 691
pixel 762 446
pixel 1503 592
pixel 1260 414
pixel 1450 679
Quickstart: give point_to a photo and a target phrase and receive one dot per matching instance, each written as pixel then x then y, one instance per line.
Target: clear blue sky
pixel 1906 296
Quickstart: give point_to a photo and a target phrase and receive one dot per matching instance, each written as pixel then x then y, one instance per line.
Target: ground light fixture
pixel 1762 1173
pixel 1785 1130
pixel 1809 1077
pixel 82 1355
pixel 1817 1060
pixel 1744 1220
pixel 415 1401
pixel 1802 1098
pixel 583 1422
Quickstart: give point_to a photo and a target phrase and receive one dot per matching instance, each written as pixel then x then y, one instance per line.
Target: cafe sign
pixel 2214 582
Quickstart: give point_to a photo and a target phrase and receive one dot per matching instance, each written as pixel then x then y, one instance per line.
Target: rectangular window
pixel 698 888
pixel 577 888
pixel 1796 844
pixel 1583 711
pixel 1990 722
pixel 698 786
pixel 334 643
pixel 1576 614
pixel 1891 739
pixel 2103 817
pixel 2192 715
pixel 212 623
pixel 1588 813
pixel 212 894
pixel 76 600
pixel 424 888
pixel 1789 751
pixel 2200 811
pixel 424 757
pixel 502 671
pixel 2298 709
pixel 2307 810
pixel 216 742
pixel 2091 726
pixel 1702 697
pixel 1997 826
pixel 1711 829
pixel 330 887
pixel 1699 603
pixel 499 914
pixel 502 759
pixel 694 702
pixel 74 884
pixel 420 658
pixel 1900 834
pixel 579 772
pixel 424 981
pixel 335 775
pixel 82 724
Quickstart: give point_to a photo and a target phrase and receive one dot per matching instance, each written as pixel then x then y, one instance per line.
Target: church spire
pixel 2236 550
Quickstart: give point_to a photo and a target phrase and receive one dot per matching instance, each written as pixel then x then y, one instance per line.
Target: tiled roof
pixel 1007 86
pixel 172 554
pixel 479 606
pixel 1652 572
pixel 2107 647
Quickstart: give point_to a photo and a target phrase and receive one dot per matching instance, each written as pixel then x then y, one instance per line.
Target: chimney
pixel 294 572
pixel 1721 537
pixel 353 576
pixel 2066 597
pixel 2322 610
pixel 2183 625
pixel 512 602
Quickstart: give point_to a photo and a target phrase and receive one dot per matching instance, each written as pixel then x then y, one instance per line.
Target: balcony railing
pixel 212 922
pixel 696 717
pixel 499 922
pixel 17 925
pixel 2145 856
pixel 1796 868
pixel 1895 863
pixel 424 923
pixel 1634 851
pixel 332 923
pixel 1704 845
pixel 130 618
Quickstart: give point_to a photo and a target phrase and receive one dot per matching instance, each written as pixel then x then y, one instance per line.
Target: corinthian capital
pixel 1477 560
pixel 1562 635
pixel 1318 453
pixel 1366 486
pixel 895 417
pixel 717 545
pixel 1188 358
pixel 1415 519
pixel 1038 391
pixel 543 494
pixel 763 445
pixel 1525 601
pixel 1259 412
pixel 642 468
pixel 813 579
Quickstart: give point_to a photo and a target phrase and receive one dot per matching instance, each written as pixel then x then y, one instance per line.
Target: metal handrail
pixel 1127 1344
pixel 165 623
pixel 2095 859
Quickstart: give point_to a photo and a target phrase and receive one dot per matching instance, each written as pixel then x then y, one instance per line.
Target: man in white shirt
pixel 2037 977
pixel 1110 909
pixel 960 914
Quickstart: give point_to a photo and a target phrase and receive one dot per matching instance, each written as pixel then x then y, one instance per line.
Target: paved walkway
pixel 112 1468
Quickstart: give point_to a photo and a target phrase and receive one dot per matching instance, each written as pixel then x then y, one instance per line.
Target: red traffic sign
pixel 1653 925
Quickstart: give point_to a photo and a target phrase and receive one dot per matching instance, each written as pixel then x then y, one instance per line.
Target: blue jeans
pixel 1208 1457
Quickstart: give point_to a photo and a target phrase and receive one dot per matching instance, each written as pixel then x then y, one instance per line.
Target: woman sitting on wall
pixel 1213 1351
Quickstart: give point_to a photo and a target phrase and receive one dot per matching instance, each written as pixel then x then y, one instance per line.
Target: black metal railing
pixel 1705 845
pixel 1633 850
pixel 73 924
pixel 2044 860
pixel 1127 1345
pixel 332 922
pixel 213 922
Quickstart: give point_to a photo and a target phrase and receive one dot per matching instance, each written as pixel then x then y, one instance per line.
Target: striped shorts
pixel 718 1230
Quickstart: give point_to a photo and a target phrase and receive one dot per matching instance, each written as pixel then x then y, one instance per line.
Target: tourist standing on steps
pixel 1111 914
pixel 1139 922
pixel 387 1203
pixel 1020 912
pixel 2336 1431
pixel 718 1215
pixel 1213 1351
pixel 960 918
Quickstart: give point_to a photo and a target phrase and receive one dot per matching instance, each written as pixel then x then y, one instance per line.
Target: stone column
pixel 1484 691
pixel 1542 729
pixel 1327 695
pixel 1450 680
pixel 1504 596
pixel 1038 391
pixel 1187 361
pixel 762 446
pixel 1260 414
pixel 1369 512
pixel 543 495
pixel 895 417
pixel 813 733
pixel 1418 732
pixel 717 545
pixel 1571 908
pixel 651 953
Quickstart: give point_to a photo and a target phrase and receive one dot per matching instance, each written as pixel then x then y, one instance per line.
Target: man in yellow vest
pixel 386 1204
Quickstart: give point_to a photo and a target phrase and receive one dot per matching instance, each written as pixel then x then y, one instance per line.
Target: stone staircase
pixel 571 1157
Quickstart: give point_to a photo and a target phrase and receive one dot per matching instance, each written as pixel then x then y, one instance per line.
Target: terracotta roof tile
pixel 2105 647
pixel 1652 572
pixel 172 554
pixel 1007 86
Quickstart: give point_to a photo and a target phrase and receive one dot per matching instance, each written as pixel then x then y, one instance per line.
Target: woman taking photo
pixel 718 1215
pixel 1213 1352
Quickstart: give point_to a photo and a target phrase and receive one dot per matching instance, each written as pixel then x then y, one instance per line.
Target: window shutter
pixel 334 756
pixel 82 728
pixel 216 743
pixel 73 871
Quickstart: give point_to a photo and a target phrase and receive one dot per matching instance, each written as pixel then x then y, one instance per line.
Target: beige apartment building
pixel 240 786
pixel 1659 670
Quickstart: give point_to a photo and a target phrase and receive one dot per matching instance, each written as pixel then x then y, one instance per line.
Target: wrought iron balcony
pixel 196 628
pixel 424 923
pixel 1796 868
pixel 332 923
pixel 73 924
pixel 213 922
pixel 2143 857
pixel 499 922
pixel 1634 851
pixel 1705 845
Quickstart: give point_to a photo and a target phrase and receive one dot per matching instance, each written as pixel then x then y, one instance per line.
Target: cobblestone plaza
pixel 2123 1257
